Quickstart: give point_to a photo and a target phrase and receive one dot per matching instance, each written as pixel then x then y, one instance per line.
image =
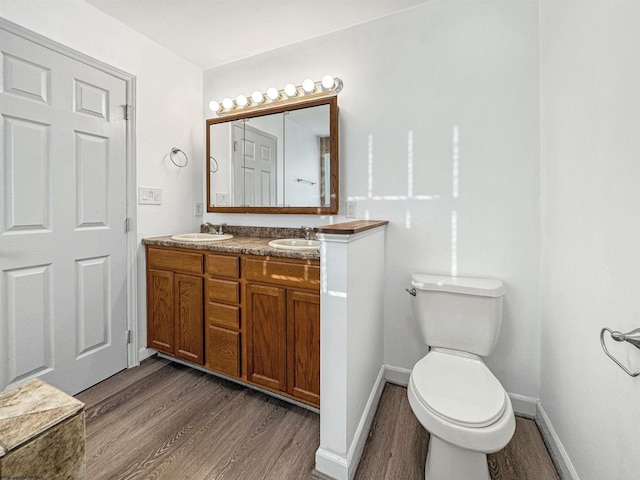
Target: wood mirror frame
pixel 332 209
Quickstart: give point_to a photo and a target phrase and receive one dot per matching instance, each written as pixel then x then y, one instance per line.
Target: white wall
pixel 411 81
pixel 590 99
pixel 168 109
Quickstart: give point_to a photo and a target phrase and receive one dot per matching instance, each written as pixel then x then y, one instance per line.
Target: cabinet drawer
pixel 223 291
pixel 283 273
pixel 175 261
pixel 223 351
pixel 223 266
pixel 223 315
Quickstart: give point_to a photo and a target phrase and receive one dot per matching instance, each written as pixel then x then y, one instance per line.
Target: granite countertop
pixel 237 244
pixel 255 240
pixel 29 410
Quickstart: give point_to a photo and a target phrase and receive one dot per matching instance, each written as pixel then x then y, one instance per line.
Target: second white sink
pixel 201 237
pixel 295 244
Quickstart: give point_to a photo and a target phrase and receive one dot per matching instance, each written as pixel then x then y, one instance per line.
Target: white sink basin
pixel 201 237
pixel 295 244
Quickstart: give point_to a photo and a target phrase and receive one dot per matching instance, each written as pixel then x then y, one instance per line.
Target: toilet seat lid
pixel 460 388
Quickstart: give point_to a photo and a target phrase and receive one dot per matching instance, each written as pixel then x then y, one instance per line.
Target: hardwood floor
pixel 163 420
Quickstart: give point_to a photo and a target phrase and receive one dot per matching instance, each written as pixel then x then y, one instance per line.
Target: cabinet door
pixel 267 349
pixel 303 345
pixel 161 313
pixel 189 338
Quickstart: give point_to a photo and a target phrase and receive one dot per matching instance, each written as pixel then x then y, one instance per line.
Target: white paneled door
pixel 63 271
pixel 254 160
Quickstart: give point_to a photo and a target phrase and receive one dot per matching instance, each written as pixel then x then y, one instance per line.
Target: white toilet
pixel 451 391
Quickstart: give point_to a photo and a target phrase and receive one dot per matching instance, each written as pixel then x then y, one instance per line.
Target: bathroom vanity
pixel 258 314
pixel 238 308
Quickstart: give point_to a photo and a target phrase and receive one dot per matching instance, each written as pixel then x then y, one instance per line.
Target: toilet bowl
pixel 451 391
pixel 468 414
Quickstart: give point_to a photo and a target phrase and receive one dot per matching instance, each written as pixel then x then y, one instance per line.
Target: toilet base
pixel 446 461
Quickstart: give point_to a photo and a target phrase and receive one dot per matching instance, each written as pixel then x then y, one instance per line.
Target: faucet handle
pixel 308 232
pixel 221 228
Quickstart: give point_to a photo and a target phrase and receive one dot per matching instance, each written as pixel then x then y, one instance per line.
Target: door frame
pixel 131 211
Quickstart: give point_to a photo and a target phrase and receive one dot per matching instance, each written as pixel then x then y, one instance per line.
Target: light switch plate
pixel 149 196
pixel 222 199
pixel 350 209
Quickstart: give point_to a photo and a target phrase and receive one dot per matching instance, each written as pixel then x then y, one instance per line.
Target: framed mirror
pixel 280 159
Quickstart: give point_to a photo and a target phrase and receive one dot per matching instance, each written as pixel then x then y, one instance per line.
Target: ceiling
pixel 213 32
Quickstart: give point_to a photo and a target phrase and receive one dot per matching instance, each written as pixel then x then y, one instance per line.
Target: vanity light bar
pixel 328 85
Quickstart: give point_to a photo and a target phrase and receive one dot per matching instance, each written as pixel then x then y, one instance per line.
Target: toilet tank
pixel 459 313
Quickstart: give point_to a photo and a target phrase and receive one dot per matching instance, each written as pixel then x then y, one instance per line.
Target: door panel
pixel 28 323
pixel 161 316
pixel 27 172
pixel 63 270
pixel 268 324
pixel 303 341
pixel 189 320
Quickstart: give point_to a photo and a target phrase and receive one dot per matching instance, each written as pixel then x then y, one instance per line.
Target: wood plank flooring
pixel 163 420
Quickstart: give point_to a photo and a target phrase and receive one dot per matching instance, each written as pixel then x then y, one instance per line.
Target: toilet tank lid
pixel 471 286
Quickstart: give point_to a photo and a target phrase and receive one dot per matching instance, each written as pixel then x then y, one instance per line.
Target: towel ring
pixel 175 151
pixel 632 337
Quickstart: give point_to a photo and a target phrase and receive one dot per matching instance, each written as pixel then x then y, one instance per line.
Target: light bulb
pixel 273 93
pixel 327 82
pixel 308 85
pixel 227 103
pixel 290 90
pixel 242 101
pixel 214 106
pixel 257 97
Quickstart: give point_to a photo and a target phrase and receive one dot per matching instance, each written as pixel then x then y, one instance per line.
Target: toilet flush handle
pixel 411 292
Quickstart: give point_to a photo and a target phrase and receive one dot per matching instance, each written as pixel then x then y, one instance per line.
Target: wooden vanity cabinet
pixel 223 333
pixel 174 303
pixel 283 314
pixel 253 318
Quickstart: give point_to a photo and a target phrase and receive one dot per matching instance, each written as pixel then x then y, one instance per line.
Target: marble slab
pixel 56 454
pixel 30 409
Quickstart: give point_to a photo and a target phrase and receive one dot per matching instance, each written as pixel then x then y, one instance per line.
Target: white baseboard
pixel 397 375
pixel 339 467
pixel 145 353
pixel 557 451
pixel 524 406
pixel 331 464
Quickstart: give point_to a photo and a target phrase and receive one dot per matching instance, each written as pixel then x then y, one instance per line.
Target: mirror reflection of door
pixel 254 171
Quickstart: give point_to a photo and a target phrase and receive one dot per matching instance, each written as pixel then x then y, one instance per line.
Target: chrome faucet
pixel 208 226
pixel 308 232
